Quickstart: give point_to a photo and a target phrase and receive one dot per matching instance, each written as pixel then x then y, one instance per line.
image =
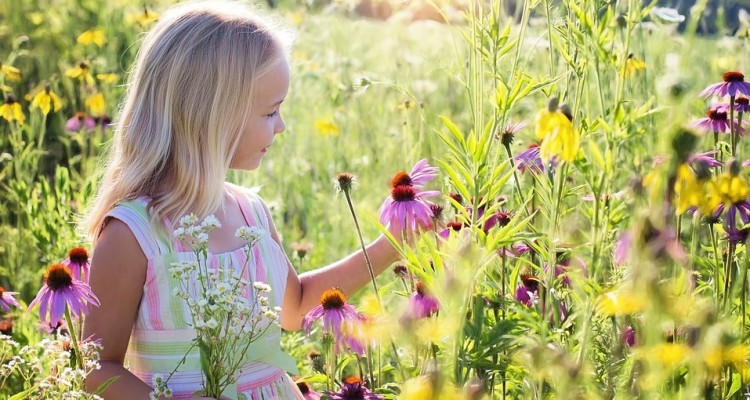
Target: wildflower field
pixel 589 205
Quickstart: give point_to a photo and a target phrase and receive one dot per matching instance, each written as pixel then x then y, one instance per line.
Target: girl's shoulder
pixel 134 214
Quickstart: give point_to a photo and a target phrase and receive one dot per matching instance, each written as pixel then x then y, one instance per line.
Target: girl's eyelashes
pixel 273 114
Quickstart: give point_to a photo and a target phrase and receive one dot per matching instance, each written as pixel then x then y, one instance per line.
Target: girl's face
pixel 265 118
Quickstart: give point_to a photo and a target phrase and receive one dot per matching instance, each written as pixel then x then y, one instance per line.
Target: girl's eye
pixel 273 114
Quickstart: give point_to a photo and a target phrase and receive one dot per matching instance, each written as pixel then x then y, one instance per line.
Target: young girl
pixel 204 97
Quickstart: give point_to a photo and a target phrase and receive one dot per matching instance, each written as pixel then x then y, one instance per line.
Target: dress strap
pixel 249 204
pixel 134 213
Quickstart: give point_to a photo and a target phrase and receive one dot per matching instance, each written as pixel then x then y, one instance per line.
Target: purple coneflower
pixel 454 226
pixel 7 300
pixel 508 133
pixel 716 120
pixel 421 173
pixel 622 248
pixel 80 120
pixel 405 208
pixel 737 234
pixel 527 293
pixel 705 158
pixel 732 85
pixel 78 262
pixel 628 336
pixel 421 303
pixel 500 218
pixel 53 327
pixel 354 389
pixel 307 392
pixel 742 104
pixel 530 159
pixel 61 290
pixel 334 311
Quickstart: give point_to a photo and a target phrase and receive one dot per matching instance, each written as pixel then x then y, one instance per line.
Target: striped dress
pixel 162 335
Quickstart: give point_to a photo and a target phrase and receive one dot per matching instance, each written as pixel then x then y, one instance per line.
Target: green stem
pixel 364 249
pixel 732 128
pixel 74 339
pixel 717 263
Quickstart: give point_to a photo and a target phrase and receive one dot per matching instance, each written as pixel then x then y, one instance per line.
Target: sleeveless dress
pixel 162 335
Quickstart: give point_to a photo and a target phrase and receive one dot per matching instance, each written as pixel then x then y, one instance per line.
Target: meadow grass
pixel 371 98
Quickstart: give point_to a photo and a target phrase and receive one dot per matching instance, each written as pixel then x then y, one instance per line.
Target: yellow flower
pixel 143 18
pixel 326 127
pixel 95 36
pixel 95 104
pixel 82 73
pixel 11 110
pixel 420 388
pixel 36 18
pixel 689 192
pixel 671 354
pixel 730 188
pixel 434 330
pixel 632 65
pixel 416 388
pixel 45 100
pixel 620 303
pixel 107 78
pixel 294 17
pixel 555 130
pixel 11 73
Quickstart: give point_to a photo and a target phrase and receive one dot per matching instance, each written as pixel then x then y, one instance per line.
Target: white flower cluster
pixel 250 234
pixel 227 313
pixel 195 234
pixel 49 367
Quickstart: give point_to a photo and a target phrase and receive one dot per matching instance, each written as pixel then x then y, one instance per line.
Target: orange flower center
pixel 2 290
pixel 332 298
pixel 78 255
pixel 420 288
pixel 57 276
pixel 401 178
pixel 352 380
pixel 742 100
pixel 733 76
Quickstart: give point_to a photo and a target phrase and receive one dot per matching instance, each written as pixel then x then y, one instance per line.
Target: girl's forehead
pixel 274 84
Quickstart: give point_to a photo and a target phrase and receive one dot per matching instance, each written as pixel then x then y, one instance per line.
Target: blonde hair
pixel 186 104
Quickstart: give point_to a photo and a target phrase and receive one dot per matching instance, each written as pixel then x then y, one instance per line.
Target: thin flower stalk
pixel 345 185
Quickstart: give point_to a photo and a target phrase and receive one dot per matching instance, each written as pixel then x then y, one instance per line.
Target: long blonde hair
pixel 187 101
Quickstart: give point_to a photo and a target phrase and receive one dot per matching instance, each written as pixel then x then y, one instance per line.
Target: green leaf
pixel 106 384
pixel 24 394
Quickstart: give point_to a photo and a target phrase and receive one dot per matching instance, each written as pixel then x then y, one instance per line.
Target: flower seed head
pixel 437 211
pixel 400 270
pixel 57 276
pixel 332 298
pixel 345 182
pixel 733 76
pixel 552 104
pixel 78 255
pixel 403 193
pixel 401 178
pixel 565 110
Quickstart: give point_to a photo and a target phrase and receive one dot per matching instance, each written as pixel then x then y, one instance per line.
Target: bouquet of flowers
pixel 228 314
